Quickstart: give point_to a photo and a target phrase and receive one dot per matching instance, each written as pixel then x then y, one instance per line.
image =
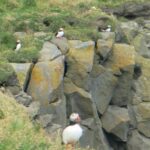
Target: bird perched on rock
pixel 18 46
pixel 72 133
pixel 60 33
pixel 107 29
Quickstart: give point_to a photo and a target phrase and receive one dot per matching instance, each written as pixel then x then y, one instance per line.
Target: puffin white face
pixel 18 41
pixel 61 29
pixel 109 26
pixel 75 117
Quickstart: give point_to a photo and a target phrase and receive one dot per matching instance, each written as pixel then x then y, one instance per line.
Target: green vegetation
pixel 18 133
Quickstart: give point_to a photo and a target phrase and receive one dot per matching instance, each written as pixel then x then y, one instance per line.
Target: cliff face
pixel 106 82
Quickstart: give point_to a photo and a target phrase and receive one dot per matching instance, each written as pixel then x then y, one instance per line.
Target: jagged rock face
pixel 140 45
pixel 22 71
pixel 49 52
pixel 116 120
pixel 132 10
pixel 102 89
pixel 138 142
pixel 80 62
pixel 61 43
pixel 106 82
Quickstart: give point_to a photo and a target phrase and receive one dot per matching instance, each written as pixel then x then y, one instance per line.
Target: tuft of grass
pixel 5 72
pixel 18 133
pixel 2 116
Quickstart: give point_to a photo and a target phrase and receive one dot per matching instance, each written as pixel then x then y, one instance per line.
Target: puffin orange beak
pixel 78 119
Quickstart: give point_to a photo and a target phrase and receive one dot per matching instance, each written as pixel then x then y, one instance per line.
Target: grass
pixel 18 133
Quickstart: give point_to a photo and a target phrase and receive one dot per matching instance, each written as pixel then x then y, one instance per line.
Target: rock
pixel 79 100
pixel 141 46
pixel 22 71
pixel 138 142
pixel 83 54
pixel 116 121
pixel 92 138
pixel 108 36
pixel 46 120
pixel 80 58
pixel 104 49
pixel 52 130
pixel 144 128
pixel 74 43
pixel 46 76
pixel 39 34
pixel 102 89
pixel 46 87
pixel 143 80
pixel 130 29
pixel 49 52
pixel 123 57
pixel 20 35
pixel 142 111
pixel 123 94
pixel 132 10
pixel 23 98
pixel 81 103
pixel 34 109
pixel 62 44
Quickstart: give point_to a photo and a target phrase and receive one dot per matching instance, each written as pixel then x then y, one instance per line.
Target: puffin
pixel 60 33
pixel 72 133
pixel 107 29
pixel 18 46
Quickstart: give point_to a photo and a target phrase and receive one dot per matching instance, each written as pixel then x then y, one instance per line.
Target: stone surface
pixel 142 111
pixel 22 71
pixel 49 52
pixel 141 46
pixel 62 44
pixel 137 142
pixel 123 57
pixel 23 98
pixel 116 121
pixel 34 110
pixel 102 89
pixel 144 128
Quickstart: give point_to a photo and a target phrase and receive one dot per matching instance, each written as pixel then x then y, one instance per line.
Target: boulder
pixel 92 137
pixel 62 44
pixel 22 71
pixel 23 98
pixel 45 120
pixel 143 80
pixel 142 111
pixel 132 10
pixel 138 142
pixel 144 128
pixel 116 121
pixel 141 46
pixel 130 29
pixel 102 89
pixel 123 57
pixel 49 52
pixel 104 48
pixel 45 86
pixel 34 109
pixel 80 62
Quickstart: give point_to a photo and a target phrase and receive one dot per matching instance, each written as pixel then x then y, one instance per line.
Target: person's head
pixel 18 41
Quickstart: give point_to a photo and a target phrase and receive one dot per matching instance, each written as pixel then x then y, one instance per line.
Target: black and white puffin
pixel 60 33
pixel 18 46
pixel 107 29
pixel 72 133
